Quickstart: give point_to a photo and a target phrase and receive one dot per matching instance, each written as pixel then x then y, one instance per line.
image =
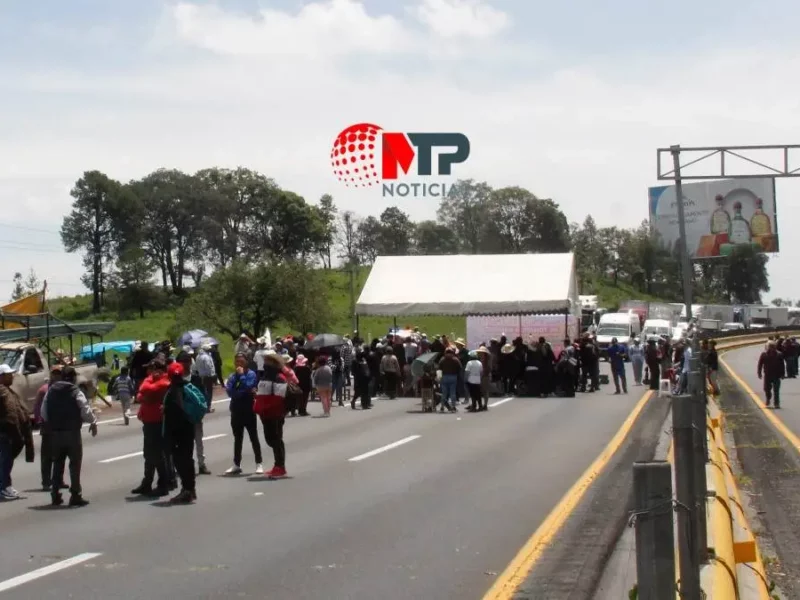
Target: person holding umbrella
pixel 270 406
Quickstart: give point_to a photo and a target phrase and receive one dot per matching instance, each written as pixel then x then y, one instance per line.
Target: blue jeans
pixel 449 390
pixel 6 462
pixel 338 386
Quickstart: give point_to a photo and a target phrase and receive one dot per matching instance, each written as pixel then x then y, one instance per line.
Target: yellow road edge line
pixel 790 436
pixel 521 565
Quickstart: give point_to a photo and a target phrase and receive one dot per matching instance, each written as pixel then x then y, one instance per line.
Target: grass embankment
pixel 156 325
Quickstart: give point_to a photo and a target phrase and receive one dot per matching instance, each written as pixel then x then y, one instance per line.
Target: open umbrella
pixel 209 340
pixel 418 366
pixel 192 338
pixel 325 340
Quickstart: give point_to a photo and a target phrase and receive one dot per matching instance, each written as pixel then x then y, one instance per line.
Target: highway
pixel 389 503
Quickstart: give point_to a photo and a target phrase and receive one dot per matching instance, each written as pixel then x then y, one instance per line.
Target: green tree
pixel 285 227
pixel 347 238
pixel 435 238
pixel 368 234
pixel 746 275
pixel 396 233
pixel 463 212
pixel 96 225
pixel 19 289
pixel 133 281
pixel 327 214
pixel 308 293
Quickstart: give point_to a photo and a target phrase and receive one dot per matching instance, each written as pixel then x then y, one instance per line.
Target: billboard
pixel 719 216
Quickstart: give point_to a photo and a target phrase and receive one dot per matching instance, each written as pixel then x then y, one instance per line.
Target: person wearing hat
pixel 485 357
pixel 450 367
pixel 241 388
pixel 243 345
pixel 509 369
pixel 15 432
pixel 302 369
pixel 473 372
pixel 179 430
pixel 270 405
pixel 45 452
pixel 65 409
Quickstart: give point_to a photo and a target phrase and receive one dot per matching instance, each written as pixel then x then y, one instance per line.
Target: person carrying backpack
pixel 184 407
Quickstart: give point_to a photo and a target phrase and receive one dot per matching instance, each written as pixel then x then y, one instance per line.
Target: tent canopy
pixel 476 284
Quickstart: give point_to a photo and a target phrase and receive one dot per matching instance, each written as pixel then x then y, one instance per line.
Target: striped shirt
pixel 123 387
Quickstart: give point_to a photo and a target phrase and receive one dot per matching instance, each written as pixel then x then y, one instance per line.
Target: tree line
pixel 160 236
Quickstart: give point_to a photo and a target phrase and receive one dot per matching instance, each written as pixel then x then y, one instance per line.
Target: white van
pixel 622 326
pixel 656 327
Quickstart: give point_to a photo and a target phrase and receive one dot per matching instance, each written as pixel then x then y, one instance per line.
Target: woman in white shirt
pixel 473 372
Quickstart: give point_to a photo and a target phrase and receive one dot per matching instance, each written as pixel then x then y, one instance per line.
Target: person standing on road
pixel 361 377
pixel 45 450
pixel 179 430
pixel 208 373
pixel 653 361
pixel 151 407
pixel 636 354
pixel 390 372
pixel 65 409
pixel 303 373
pixel 191 374
pixel 139 361
pixel 217 358
pixel 323 383
pixel 771 370
pixel 485 356
pixel 472 375
pixel 451 368
pixel 15 433
pixel 270 405
pixel 616 357
pixel 241 388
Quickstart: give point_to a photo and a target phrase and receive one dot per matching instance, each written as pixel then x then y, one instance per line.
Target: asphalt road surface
pixel 744 363
pixel 435 507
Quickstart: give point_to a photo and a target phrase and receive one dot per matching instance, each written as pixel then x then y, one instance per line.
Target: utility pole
pixel 684 248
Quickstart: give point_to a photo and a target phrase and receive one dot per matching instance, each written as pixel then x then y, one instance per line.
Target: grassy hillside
pixel 157 324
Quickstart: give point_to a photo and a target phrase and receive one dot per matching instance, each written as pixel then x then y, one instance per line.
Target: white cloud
pixel 457 18
pixel 264 97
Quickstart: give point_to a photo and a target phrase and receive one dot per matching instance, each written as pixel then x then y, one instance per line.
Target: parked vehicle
pixel 733 327
pixel 31 371
pixel 656 327
pixel 622 326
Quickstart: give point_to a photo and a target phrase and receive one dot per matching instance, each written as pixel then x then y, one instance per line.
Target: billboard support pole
pixel 685 263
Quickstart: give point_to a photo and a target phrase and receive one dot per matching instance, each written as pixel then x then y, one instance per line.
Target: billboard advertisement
pixel 720 215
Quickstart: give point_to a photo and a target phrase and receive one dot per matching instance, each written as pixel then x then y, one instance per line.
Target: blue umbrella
pixel 192 338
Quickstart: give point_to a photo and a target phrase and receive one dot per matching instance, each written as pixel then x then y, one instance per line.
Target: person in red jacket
pixel 270 405
pixel 151 398
pixel 771 369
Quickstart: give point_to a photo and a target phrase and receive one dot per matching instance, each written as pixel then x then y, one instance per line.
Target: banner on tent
pixel 550 327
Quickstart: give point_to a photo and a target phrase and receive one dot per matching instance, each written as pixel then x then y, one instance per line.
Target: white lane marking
pixel 372 453
pixel 133 416
pixel 48 570
pixel 499 402
pixel 133 454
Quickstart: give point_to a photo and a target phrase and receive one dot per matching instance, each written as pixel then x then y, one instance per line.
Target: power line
pixel 26 228
pixel 31 249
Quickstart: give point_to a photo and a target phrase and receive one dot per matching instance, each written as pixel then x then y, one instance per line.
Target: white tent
pixel 477 284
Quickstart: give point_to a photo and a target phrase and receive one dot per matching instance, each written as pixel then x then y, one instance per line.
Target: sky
pixel 567 99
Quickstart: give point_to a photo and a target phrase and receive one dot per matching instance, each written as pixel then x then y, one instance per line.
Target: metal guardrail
pixel 713 534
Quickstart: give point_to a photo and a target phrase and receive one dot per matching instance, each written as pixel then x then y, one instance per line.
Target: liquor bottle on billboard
pixel 740 229
pixel 720 219
pixel 760 223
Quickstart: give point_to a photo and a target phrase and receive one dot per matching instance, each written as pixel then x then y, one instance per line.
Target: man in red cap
pixel 179 429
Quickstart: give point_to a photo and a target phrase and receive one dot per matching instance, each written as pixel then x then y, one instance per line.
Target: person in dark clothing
pixel 65 409
pixel 437 345
pixel 217 358
pixel 450 367
pixel 179 432
pixel 771 370
pixel 566 372
pixel 15 433
pixel 361 377
pixel 241 388
pixel 139 361
pixel 653 361
pixel 374 362
pixel 616 356
pixel 547 368
pixel 270 405
pixel 399 351
pixel 303 372
pixel 712 367
pixel 589 362
pixel 509 369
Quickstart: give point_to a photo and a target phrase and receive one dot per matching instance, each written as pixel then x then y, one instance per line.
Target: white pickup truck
pixel 31 371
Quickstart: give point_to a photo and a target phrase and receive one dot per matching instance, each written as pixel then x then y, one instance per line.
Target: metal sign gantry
pixel 771 160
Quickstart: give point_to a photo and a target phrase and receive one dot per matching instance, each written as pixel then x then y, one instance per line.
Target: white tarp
pixel 477 284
